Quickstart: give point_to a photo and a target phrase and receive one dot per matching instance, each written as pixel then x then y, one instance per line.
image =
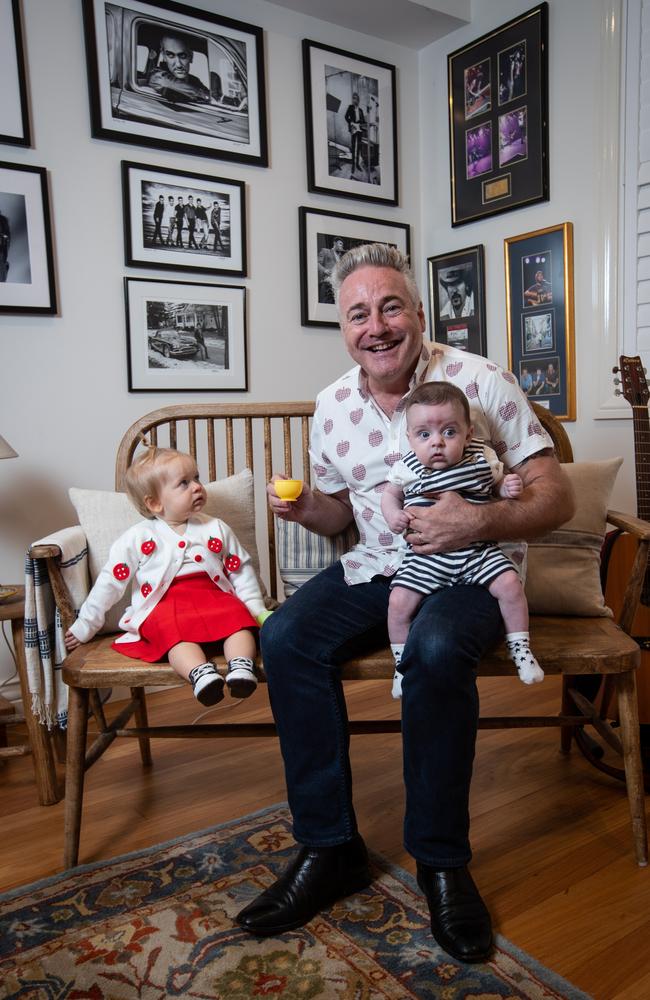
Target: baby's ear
pixel 153 505
pixel 470 432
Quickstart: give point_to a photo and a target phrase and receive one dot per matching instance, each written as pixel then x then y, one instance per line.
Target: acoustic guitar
pixel 635 391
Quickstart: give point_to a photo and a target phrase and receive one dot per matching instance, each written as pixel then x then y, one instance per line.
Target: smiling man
pixel 358 433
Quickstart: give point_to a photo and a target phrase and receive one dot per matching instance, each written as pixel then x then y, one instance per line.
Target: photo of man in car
pixel 171 77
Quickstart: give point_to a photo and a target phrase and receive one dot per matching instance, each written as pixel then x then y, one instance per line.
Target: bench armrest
pixel 628 522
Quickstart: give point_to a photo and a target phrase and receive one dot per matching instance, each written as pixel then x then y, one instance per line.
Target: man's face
pixel 457 294
pixel 177 55
pixel 338 246
pixel 381 327
pixel 355 98
pixel 539 277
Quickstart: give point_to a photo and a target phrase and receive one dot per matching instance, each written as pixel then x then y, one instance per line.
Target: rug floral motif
pixel 161 924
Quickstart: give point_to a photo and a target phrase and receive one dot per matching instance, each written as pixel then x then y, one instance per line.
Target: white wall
pixel 64 403
pixel 582 140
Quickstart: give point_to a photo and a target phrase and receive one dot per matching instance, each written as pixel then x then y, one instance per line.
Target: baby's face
pixel 438 433
pixel 181 492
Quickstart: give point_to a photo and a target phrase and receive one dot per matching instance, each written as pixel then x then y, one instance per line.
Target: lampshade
pixel 6 451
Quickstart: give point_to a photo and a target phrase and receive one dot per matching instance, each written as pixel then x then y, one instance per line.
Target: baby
pixel 445 456
pixel 192 582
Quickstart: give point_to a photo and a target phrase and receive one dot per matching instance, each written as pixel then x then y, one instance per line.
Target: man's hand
pixel 452 523
pixel 323 513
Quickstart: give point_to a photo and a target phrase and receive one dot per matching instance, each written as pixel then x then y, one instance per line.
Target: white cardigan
pixel 149 555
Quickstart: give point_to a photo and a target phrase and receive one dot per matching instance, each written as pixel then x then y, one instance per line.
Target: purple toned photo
pixel 513 136
pixel 478 150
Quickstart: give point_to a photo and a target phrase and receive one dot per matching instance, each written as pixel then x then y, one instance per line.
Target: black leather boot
pixel 460 921
pixel 316 878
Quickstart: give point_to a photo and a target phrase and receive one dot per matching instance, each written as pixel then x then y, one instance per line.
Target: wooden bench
pixel 274 437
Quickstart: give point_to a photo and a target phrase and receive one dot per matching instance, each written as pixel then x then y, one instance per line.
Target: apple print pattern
pixel 354 444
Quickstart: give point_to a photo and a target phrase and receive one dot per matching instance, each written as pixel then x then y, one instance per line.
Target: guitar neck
pixel 642 460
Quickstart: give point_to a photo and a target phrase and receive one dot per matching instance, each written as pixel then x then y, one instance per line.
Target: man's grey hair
pixel 373 255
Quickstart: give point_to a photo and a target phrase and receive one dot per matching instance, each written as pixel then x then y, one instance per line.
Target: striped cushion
pixel 302 554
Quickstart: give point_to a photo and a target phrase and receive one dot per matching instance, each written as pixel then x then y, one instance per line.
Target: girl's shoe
pixel 207 684
pixel 240 678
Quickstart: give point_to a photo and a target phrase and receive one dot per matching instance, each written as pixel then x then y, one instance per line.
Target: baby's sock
pixel 529 670
pixel 207 684
pixel 240 678
pixel 397 649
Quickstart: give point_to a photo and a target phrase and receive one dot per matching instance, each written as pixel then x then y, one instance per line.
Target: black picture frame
pixel 540 316
pixel 320 233
pixel 219 239
pixel 164 353
pixel 27 283
pixel 498 119
pixel 218 110
pixel 457 299
pixel 351 146
pixel 14 107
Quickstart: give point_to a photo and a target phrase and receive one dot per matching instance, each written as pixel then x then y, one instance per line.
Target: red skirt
pixel 193 609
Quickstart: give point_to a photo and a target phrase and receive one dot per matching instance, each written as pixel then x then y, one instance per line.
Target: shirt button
pixel 215 578
pixel 198 558
pixel 181 545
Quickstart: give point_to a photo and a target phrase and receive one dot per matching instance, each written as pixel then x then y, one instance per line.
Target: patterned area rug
pixel 160 923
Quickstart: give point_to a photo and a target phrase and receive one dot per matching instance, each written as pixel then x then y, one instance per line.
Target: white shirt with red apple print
pixel 149 556
pixel 354 444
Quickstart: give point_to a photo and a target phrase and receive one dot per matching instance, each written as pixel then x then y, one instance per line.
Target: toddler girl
pixel 192 582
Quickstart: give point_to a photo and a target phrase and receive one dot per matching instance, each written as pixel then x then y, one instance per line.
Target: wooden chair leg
pixel 142 721
pixel 47 783
pixel 629 728
pixel 568 708
pixel 75 772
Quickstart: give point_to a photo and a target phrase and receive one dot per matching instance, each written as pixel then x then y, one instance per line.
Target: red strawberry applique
pixel 145 589
pixel 231 563
pixel 215 544
pixel 121 571
pixel 148 547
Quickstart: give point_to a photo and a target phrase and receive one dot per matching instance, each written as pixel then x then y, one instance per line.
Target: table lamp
pixel 6 451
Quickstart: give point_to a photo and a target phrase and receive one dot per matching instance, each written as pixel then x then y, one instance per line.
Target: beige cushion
pixel 302 553
pixel 564 566
pixel 104 516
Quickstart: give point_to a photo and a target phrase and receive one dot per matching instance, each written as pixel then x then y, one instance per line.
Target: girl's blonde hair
pixel 143 477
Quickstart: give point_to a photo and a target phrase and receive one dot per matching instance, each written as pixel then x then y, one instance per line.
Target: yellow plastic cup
pixel 288 489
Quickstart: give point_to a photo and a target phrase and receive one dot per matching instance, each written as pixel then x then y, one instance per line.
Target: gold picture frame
pixel 540 316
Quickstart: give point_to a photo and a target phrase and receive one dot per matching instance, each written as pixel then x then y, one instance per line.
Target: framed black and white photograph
pixel 26 259
pixel 14 106
pixel 185 336
pixel 540 316
pixel 183 221
pixel 498 119
pixel 457 299
pixel 174 77
pixel 326 236
pixel 351 124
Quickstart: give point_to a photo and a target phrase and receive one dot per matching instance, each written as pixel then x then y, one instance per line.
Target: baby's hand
pixel 71 641
pixel 399 521
pixel 512 486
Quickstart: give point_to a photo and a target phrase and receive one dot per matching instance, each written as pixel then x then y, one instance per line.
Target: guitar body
pixel 620 562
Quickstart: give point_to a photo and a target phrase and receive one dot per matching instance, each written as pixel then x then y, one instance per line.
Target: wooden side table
pixel 13 609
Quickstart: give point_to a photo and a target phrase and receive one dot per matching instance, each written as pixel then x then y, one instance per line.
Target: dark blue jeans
pixel 303 646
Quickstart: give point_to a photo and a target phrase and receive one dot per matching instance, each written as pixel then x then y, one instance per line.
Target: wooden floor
pixel 551 835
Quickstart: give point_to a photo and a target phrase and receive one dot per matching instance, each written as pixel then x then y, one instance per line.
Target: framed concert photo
pixel 185 336
pixel 498 119
pixel 351 124
pixel 14 107
pixel 457 299
pixel 183 221
pixel 540 317
pixel 26 259
pixel 174 77
pixel 326 236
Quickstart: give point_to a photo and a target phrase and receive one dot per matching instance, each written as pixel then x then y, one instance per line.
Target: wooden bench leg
pixel 74 772
pixel 142 722
pixel 630 737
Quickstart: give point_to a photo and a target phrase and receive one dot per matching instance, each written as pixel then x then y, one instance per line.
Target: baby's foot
pixel 207 684
pixel 240 678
